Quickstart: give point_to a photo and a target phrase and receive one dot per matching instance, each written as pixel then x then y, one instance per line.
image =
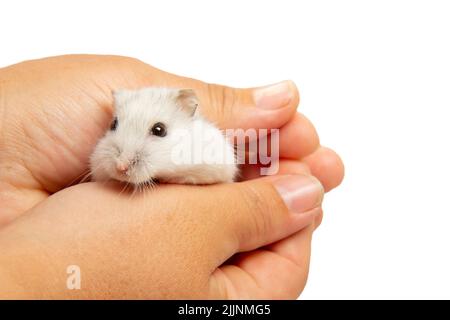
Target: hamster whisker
pixel 90 173
pixel 87 176
pixel 94 169
pixel 149 184
pixel 83 173
pixel 135 187
pixel 124 188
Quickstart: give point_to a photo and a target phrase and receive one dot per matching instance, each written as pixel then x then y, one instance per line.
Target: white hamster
pixel 157 134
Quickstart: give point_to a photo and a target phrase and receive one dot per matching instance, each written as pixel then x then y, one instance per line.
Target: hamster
pixel 157 134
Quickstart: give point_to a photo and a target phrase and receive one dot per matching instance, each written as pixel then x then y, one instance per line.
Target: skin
pixel 223 241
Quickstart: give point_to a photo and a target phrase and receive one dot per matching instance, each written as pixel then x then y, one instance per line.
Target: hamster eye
pixel 113 124
pixel 159 129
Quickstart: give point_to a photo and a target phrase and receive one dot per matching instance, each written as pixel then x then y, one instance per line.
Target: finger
pixel 265 107
pixel 285 166
pixel 323 163
pixel 327 166
pixel 292 248
pixel 276 272
pixel 298 138
pixel 255 213
pixel 258 108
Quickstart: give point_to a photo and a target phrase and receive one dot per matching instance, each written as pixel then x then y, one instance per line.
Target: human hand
pixel 79 105
pixel 171 242
pixel 54 110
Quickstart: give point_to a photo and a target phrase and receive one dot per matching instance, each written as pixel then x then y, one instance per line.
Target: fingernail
pixel 300 193
pixel 273 96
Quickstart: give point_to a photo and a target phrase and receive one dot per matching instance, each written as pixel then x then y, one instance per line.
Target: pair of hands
pixel 249 239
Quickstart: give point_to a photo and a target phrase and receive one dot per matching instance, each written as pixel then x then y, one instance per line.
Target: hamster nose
pixel 122 167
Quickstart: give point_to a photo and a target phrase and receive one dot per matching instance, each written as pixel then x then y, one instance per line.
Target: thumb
pixel 258 212
pixel 264 107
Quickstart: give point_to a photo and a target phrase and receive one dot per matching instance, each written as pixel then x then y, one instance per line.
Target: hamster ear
pixel 188 100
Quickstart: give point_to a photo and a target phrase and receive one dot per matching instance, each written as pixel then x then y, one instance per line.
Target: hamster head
pixel 138 144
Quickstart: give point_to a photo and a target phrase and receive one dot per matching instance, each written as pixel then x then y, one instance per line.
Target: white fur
pixel 137 111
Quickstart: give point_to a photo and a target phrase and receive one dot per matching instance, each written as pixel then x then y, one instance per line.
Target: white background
pixel 374 78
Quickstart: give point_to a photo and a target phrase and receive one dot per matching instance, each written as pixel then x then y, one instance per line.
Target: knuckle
pixel 257 210
pixel 221 100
